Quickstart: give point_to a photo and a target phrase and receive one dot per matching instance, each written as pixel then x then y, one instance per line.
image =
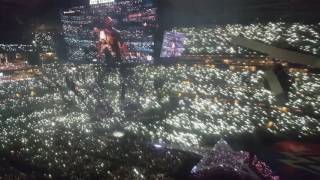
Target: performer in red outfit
pixel 110 45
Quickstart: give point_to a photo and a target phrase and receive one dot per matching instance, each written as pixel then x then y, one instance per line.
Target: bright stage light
pixel 118 134
pixel 100 1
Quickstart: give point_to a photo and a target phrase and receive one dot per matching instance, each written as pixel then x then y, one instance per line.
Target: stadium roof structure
pixel 278 53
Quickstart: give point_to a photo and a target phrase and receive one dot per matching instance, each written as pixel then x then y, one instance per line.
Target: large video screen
pixel 111 31
pixel 217 40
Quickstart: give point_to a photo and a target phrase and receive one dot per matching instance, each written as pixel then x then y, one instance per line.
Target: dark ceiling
pixel 18 17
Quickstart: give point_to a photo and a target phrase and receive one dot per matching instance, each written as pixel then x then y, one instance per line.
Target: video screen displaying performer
pixel 110 46
pixel 111 31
